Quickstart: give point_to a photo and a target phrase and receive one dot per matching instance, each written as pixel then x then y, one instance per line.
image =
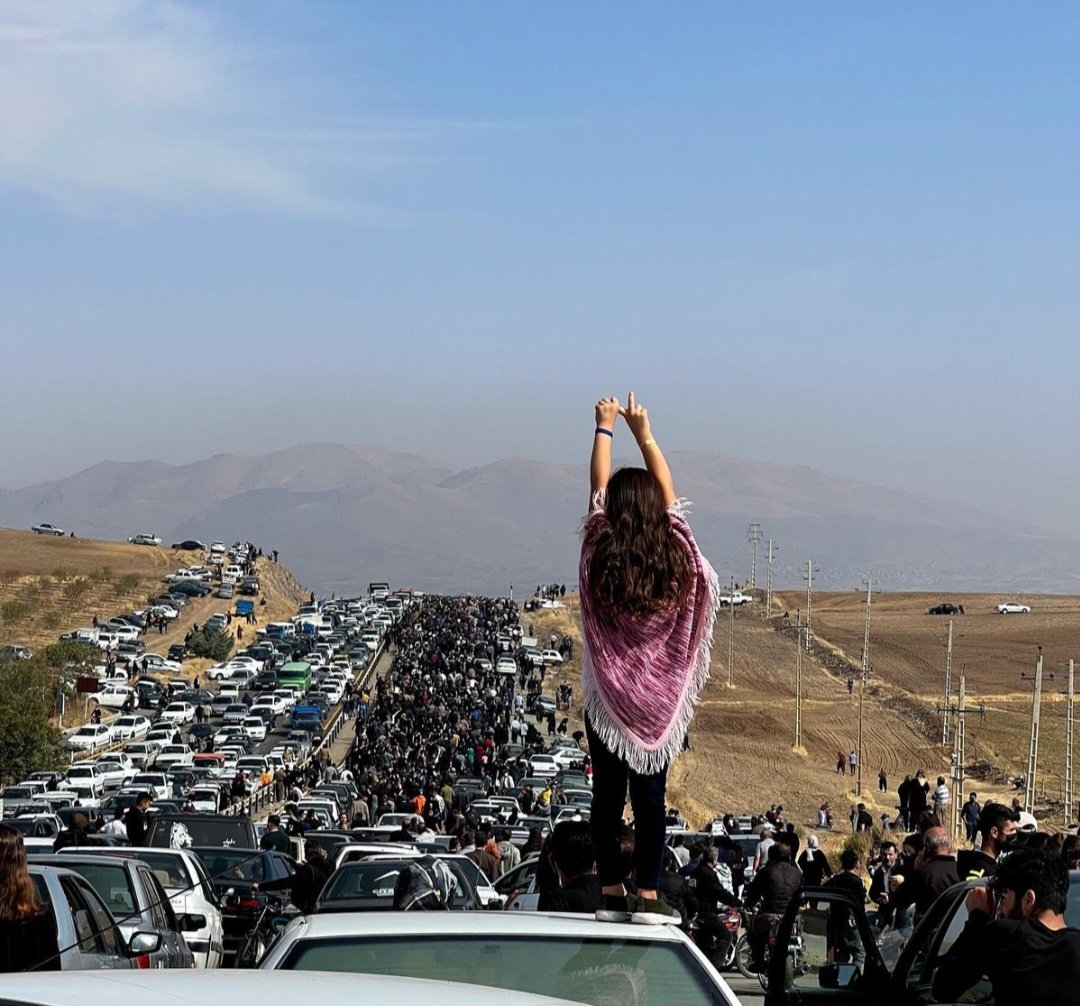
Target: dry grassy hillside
pixel 52 585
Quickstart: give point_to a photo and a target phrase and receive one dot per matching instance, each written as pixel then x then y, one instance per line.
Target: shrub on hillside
pixel 126 584
pixel 77 589
pixel 52 620
pixel 10 576
pixel 213 644
pixel 60 574
pixel 103 575
pixel 14 611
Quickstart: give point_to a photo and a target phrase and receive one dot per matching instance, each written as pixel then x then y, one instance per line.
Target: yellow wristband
pixel 651 442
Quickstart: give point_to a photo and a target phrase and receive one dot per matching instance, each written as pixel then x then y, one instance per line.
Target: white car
pixel 142 753
pixel 275 703
pixel 144 539
pixel 166 611
pixel 160 736
pixel 153 783
pixel 159 664
pixel 205 799
pixel 1013 608
pixel 254 727
pixel 736 600
pixel 48 529
pixel 117 769
pixel 90 738
pixel 178 712
pixel 130 727
pixel 544 766
pixel 228 733
pixel 84 774
pixel 551 657
pixel 457 946
pixel 175 756
pixel 231 573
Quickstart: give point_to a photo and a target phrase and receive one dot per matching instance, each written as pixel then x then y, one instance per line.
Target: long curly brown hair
pixel 637 565
pixel 18 899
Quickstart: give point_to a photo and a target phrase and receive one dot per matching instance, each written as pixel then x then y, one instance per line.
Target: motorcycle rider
pixel 710 892
pixel 773 887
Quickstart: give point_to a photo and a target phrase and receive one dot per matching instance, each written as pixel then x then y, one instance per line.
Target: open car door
pixel 825 954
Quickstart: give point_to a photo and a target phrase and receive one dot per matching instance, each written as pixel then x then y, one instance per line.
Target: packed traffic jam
pixel 385 787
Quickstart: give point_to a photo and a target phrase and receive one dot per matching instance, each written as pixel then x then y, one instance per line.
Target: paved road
pixel 747 989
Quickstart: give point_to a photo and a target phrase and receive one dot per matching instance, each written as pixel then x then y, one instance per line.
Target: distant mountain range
pixel 342 516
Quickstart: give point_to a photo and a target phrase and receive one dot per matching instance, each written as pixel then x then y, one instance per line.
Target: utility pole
pixel 1033 746
pixel 1069 748
pixel 768 582
pixel 864 674
pixel 798 683
pixel 731 637
pixel 958 756
pixel 808 576
pixel 948 689
pixel 753 535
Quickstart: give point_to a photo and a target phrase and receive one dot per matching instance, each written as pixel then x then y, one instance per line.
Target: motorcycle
pixel 717 940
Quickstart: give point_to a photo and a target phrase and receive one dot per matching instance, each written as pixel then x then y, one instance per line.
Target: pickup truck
pixel 736 600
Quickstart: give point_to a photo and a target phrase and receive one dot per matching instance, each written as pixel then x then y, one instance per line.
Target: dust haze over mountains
pixel 344 515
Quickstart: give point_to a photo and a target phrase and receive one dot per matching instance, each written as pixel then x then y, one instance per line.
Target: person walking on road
pixel 648 604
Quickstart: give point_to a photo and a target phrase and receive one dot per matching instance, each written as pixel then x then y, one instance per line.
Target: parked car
pixel 946 608
pixel 91 737
pixel 117 769
pixel 48 529
pixel 144 538
pixel 192 588
pixel 136 899
pixel 113 695
pixel 181 874
pixel 85 928
pixel 189 545
pixel 1013 608
pixel 575 957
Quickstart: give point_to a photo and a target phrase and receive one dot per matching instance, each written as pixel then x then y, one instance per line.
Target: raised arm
pixel 637 418
pixel 607 412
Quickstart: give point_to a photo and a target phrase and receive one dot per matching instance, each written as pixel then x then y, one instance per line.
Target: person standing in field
pixel 648 604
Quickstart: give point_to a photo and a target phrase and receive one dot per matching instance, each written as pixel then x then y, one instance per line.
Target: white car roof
pixel 337 924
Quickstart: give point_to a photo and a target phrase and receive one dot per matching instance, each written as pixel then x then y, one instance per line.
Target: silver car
pixel 137 901
pixel 85 929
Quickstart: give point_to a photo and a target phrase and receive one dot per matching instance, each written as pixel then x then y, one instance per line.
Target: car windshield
pixel 599 972
pixel 171 871
pixel 224 865
pixel 375 879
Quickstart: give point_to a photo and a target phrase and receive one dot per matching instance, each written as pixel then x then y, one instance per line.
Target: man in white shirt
pixel 116 826
pixel 761 853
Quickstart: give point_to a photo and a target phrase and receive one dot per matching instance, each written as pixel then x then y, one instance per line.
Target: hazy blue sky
pixel 837 234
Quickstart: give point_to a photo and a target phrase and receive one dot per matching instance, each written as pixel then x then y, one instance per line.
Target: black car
pixel 945 608
pixel 131 649
pixel 233 872
pixel 178 651
pixel 368 886
pixel 189 545
pixel 265 681
pixel 192 588
pixel 196 696
pixel 894 969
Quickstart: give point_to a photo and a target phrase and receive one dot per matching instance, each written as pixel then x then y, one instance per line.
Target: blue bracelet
pixel 607 433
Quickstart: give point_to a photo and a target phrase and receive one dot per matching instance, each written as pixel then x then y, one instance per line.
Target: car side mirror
pixel 192 923
pixel 144 943
pixel 496 903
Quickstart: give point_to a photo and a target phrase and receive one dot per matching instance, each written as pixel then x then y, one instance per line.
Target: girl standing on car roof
pixel 648 603
pixel 28 938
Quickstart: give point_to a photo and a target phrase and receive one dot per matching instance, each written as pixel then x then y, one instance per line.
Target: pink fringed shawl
pixel 642 675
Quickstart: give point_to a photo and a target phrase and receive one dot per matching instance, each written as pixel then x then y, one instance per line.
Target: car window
pixel 112 883
pixel 585 970
pixel 161 913
pixel 86 933
pixel 941 943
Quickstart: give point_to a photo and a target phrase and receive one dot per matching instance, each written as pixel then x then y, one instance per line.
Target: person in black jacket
pixel 1029 953
pixel 773 886
pixel 709 894
pixel 307 883
pixel 675 889
pixel 579 886
pixel 135 821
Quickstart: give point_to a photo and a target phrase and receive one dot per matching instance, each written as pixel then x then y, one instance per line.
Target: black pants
pixel 611 779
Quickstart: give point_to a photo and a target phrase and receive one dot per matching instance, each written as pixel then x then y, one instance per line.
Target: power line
pixel 1033 744
pixel 768 580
